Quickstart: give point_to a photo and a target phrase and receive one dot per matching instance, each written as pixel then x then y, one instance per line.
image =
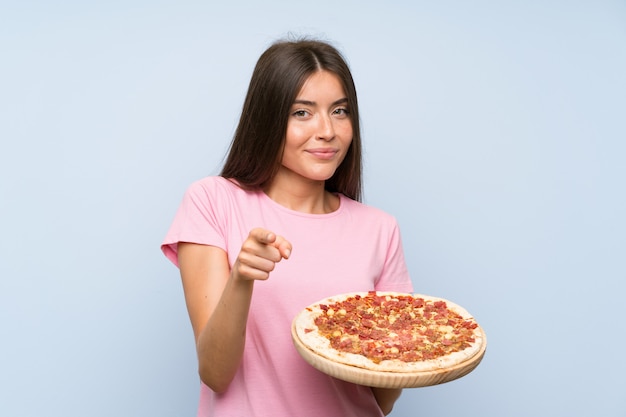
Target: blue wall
pixel 494 131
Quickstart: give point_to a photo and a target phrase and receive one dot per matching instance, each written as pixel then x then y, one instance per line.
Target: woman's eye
pixel 300 113
pixel 341 111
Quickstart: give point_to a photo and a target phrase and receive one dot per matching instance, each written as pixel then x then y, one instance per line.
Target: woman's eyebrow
pixel 343 100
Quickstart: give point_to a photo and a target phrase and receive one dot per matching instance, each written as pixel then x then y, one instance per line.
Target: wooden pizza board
pixel 380 379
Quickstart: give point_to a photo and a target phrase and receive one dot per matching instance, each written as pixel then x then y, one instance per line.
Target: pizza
pixel 392 332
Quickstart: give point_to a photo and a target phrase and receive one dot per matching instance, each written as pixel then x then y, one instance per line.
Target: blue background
pixel 494 131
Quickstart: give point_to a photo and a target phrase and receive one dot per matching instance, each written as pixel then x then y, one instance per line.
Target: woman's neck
pixel 301 195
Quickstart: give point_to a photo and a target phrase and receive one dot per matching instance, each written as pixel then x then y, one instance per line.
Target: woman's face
pixel 319 129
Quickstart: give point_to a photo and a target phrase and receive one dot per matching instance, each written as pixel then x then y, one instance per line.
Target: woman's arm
pixel 218 299
pixel 219 331
pixel 386 398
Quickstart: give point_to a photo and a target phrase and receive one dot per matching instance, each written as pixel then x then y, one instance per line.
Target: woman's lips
pixel 323 153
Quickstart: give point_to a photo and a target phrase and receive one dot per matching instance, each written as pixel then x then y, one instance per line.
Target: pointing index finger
pixel 263 236
pixel 283 246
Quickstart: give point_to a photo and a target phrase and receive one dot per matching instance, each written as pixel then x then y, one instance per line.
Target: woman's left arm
pixel 386 398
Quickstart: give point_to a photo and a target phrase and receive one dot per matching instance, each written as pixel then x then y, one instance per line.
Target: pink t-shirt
pixel 356 248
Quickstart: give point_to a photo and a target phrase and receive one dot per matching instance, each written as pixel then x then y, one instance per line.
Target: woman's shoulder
pixel 216 191
pixel 212 181
pixel 214 184
pixel 365 211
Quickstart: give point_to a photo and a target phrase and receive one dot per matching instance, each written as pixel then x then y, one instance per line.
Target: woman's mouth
pixel 323 153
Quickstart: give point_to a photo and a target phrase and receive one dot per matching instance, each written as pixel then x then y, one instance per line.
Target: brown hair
pixel 256 151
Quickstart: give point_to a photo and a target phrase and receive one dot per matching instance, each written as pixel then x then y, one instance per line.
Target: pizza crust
pixel 307 332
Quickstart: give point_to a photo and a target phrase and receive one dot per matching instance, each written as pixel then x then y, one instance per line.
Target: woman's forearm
pixel 218 299
pixel 221 343
pixel 386 398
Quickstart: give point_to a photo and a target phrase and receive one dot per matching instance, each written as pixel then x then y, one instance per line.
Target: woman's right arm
pixel 218 299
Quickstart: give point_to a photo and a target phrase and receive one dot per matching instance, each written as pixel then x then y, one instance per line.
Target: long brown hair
pixel 256 151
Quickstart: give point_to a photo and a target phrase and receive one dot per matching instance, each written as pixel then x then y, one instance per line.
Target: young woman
pixel 281 228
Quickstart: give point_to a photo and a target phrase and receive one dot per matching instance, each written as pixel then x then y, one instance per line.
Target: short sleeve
pixel 395 275
pixel 197 219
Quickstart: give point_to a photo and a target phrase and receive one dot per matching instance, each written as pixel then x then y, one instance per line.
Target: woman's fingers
pixel 283 246
pixel 259 254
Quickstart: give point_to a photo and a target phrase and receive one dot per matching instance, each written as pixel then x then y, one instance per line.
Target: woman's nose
pixel 326 130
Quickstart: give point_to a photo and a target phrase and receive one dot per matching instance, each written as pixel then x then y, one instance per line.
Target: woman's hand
pixel 259 254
